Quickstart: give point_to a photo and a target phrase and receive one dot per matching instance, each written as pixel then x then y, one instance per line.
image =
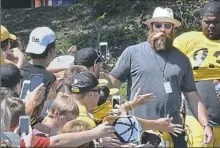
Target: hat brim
pixel 64 61
pixel 113 91
pixel 35 48
pixel 102 82
pixel 12 36
pixel 162 19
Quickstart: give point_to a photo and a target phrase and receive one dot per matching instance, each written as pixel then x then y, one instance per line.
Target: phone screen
pixel 24 123
pixel 25 88
pixel 115 100
pixel 36 80
pixel 103 50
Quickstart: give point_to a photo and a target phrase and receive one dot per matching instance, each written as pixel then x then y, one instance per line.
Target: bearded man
pixel 157 67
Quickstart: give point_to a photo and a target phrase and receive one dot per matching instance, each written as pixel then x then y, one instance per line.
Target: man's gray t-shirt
pixel 142 67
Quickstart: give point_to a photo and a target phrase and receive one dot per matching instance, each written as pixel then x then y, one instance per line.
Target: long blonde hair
pixel 5 116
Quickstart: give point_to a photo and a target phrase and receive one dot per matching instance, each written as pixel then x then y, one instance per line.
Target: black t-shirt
pixel 206 90
pixel 48 77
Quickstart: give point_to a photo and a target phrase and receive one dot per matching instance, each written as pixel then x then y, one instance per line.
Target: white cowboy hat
pixel 163 15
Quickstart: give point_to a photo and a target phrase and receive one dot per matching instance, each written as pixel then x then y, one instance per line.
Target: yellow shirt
pixel 204 54
pixel 102 111
pixel 2 61
pixel 84 115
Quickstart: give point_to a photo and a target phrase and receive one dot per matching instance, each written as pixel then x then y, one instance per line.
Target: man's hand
pixel 104 130
pixel 37 95
pixel 28 139
pixel 17 53
pixel 208 135
pixel 166 125
pixel 139 100
pixel 16 56
pixel 110 142
pixel 34 98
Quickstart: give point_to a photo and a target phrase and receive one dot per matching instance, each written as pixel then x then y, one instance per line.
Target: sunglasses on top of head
pixel 165 25
pixel 99 56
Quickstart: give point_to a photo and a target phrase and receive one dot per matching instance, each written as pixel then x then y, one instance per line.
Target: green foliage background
pixel 118 22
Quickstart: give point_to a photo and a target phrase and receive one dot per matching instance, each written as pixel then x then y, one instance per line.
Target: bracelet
pixel 207 125
pixel 131 106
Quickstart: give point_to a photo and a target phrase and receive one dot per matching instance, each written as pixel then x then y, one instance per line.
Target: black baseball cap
pixel 84 82
pixel 87 57
pixel 10 75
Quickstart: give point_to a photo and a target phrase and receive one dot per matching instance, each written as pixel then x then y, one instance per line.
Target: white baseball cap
pixel 40 37
pixel 64 61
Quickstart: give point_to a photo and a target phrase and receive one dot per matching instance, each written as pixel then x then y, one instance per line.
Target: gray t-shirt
pixel 142 67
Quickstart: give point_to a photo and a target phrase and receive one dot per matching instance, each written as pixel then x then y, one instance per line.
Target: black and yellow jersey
pixel 204 54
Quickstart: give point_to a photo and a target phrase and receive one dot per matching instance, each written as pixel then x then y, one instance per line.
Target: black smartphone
pixel 36 80
pixel 115 100
pixel 103 47
pixel 25 87
pixel 24 123
pixel 150 138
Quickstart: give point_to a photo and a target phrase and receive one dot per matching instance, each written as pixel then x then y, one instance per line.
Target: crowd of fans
pixel 72 106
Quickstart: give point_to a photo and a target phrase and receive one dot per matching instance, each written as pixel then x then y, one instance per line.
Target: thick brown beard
pixel 160 41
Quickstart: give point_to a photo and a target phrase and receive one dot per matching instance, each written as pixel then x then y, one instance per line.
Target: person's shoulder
pixel 26 70
pixel 139 45
pixel 51 75
pixel 136 47
pixel 27 66
pixel 195 35
pixel 180 54
pixel 48 73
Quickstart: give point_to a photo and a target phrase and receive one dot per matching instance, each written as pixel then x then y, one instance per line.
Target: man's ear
pixel 56 112
pixel 94 67
pixel 90 94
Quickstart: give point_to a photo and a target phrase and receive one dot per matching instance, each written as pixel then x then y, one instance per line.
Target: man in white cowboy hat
pixel 156 66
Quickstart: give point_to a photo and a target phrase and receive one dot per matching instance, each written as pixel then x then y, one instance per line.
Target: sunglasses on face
pixel 165 25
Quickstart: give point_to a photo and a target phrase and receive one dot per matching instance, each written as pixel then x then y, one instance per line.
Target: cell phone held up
pixel 103 48
pixel 25 88
pixel 24 123
pixel 36 80
pixel 115 101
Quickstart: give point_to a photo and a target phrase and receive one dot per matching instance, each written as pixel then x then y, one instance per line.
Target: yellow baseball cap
pixel 6 35
pixel 104 82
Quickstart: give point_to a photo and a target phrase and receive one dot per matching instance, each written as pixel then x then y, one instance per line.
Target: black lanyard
pixel 164 67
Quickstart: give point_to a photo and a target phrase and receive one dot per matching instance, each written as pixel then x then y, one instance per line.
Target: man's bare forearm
pixel 112 82
pixel 147 124
pixel 197 107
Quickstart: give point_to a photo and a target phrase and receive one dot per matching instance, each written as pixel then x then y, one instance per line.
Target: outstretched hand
pixel 166 125
pixel 139 100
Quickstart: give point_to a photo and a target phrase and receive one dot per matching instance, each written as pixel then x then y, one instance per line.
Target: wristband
pixel 131 106
pixel 207 125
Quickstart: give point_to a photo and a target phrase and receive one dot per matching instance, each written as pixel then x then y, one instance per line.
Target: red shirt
pixel 42 142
